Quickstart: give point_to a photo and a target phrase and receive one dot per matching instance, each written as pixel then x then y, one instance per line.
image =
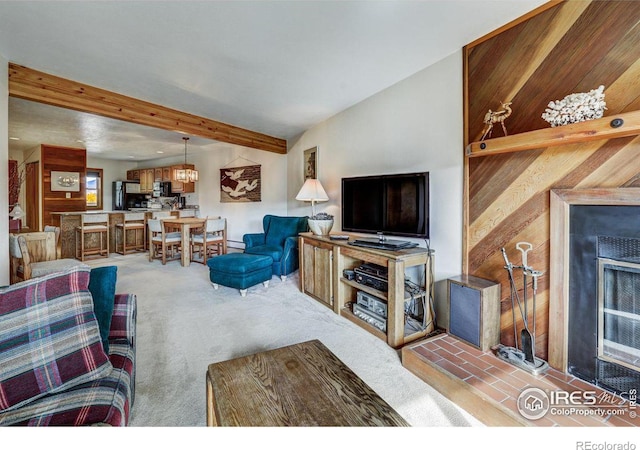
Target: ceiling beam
pixel 29 84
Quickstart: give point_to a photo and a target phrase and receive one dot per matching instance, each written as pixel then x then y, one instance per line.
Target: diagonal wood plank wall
pixel 565 47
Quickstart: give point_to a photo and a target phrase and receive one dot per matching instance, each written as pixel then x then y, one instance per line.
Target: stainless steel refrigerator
pixel 126 194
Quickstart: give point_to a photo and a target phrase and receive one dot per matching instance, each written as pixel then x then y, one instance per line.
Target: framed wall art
pixel 65 181
pixel 240 184
pixel 310 163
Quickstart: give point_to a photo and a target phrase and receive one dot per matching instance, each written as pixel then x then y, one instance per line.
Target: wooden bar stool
pixel 131 233
pixel 92 236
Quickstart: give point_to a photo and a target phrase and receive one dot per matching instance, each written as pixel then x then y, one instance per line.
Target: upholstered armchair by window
pixel 34 255
pixel 279 240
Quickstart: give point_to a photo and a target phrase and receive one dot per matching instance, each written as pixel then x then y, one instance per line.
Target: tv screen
pixel 391 204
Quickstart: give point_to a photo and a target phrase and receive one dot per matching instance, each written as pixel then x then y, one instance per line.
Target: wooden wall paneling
pixel 568 47
pixel 62 159
pixel 32 196
pixel 595 33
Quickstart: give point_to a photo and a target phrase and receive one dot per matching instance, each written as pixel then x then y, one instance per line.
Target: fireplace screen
pixel 619 313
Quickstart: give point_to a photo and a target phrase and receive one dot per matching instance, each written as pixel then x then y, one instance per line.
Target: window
pixel 93 188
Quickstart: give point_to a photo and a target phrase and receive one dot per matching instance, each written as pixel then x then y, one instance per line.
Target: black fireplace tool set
pixel 524 357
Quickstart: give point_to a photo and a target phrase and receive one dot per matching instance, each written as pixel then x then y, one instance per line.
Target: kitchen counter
pixel 69 220
pixel 75 213
pixel 148 209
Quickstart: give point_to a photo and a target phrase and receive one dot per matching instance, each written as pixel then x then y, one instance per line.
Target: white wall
pixel 413 126
pixel 209 159
pixel 4 170
pixel 241 217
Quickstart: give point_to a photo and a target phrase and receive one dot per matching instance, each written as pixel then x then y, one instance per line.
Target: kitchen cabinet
pixel 166 174
pixel 148 176
pixel 146 180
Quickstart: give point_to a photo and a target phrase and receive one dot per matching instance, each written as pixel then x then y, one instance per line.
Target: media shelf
pixel 323 261
pixel 368 289
pixel 347 313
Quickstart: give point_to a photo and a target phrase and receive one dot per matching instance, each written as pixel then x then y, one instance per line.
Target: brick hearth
pixel 488 387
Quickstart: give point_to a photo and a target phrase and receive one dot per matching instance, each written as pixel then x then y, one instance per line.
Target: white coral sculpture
pixel 576 108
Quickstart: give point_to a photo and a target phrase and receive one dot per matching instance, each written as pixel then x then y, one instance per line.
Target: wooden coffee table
pixel 299 385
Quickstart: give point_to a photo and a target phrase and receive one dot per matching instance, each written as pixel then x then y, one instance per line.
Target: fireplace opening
pixel 619 322
pixel 594 301
pixel 604 296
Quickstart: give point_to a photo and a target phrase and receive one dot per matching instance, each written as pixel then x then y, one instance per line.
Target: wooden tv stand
pixel 322 262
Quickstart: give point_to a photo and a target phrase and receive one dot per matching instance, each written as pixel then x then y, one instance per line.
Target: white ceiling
pixel 276 67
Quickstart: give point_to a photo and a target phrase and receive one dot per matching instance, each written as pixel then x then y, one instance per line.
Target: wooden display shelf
pixel 348 314
pixel 620 125
pixel 410 335
pixel 369 290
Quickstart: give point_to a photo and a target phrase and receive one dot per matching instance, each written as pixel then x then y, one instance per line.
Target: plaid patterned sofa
pixel 53 366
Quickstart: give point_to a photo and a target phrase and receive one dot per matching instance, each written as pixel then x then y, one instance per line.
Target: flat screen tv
pixel 390 204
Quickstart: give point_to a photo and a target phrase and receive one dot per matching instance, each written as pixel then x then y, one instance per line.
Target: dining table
pixel 186 224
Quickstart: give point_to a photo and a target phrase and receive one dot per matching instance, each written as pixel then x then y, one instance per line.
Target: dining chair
pixel 164 244
pixel 93 229
pixel 163 215
pixel 131 233
pixel 212 240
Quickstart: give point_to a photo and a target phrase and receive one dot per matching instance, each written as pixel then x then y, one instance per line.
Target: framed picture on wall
pixel 241 184
pixel 310 163
pixel 65 181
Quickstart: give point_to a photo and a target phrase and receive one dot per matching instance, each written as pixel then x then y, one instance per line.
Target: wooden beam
pixel 620 125
pixel 41 87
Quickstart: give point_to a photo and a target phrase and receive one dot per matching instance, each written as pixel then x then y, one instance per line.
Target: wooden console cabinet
pixel 322 262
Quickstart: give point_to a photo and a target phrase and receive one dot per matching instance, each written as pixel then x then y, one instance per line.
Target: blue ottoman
pixel 240 270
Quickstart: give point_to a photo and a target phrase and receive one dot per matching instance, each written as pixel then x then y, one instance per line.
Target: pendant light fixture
pixel 186 175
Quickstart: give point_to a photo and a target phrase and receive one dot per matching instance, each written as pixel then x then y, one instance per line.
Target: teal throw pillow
pixel 102 285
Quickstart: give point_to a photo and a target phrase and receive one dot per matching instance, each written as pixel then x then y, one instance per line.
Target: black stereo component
pixel 373 276
pixel 348 274
pixel 373 269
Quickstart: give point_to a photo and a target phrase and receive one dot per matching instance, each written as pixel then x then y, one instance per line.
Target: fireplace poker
pixel 534 284
pixel 527 340
pixel 523 358
pixel 512 283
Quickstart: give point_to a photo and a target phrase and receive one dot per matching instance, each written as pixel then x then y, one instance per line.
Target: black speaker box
pixel 474 310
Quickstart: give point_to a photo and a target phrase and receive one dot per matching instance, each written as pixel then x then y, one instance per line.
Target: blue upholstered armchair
pixel 279 240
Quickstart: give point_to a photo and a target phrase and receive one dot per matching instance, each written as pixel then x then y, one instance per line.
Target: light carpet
pixel 184 325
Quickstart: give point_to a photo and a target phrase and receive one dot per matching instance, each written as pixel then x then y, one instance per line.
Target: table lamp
pixel 17 212
pixel 312 191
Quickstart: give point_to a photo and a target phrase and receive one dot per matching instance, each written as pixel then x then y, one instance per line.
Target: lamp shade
pixel 312 191
pixel 17 212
